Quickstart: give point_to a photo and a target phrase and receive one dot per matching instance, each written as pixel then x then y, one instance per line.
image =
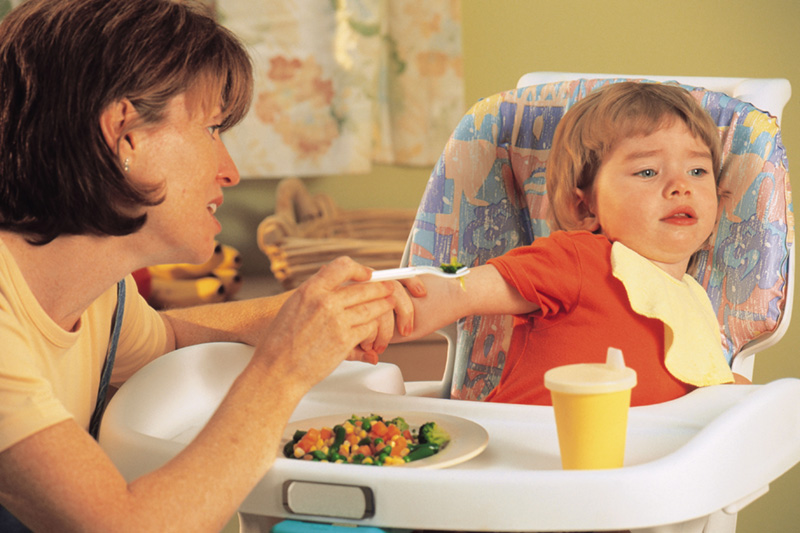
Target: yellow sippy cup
pixel 591 403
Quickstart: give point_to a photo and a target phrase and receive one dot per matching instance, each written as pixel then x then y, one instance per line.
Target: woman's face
pixel 185 156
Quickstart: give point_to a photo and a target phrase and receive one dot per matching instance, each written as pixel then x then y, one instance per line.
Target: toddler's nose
pixel 679 185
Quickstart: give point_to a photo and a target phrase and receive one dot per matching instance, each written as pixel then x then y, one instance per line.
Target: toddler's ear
pixel 584 216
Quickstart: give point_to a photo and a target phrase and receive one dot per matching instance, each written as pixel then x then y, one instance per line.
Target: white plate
pixel 467 438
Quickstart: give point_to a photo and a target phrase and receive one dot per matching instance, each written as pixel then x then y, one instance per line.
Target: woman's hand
pixel 325 319
pixel 399 321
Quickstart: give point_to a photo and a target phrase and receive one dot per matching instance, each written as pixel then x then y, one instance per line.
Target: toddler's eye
pixel 648 173
pixel 698 172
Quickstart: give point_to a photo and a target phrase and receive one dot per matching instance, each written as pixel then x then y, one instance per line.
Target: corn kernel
pixel 298 452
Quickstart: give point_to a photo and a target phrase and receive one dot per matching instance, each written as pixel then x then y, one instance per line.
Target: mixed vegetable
pixel 368 440
pixel 451 268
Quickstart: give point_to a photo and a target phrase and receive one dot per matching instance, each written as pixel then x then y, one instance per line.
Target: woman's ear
pixel 584 212
pixel 116 121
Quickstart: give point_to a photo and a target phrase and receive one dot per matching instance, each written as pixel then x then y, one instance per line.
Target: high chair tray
pixel 681 452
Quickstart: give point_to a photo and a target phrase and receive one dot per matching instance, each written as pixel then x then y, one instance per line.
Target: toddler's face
pixel 657 195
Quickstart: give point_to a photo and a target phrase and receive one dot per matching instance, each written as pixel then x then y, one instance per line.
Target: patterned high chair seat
pixel 487 195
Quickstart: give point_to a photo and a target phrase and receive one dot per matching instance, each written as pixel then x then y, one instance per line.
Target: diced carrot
pixel 379 428
pixel 325 433
pixel 365 449
pixel 309 440
pixel 352 438
pixel 399 445
pixel 391 431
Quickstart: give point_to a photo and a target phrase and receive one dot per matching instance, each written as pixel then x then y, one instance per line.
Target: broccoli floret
pixel 450 268
pixel 432 433
pixel 400 422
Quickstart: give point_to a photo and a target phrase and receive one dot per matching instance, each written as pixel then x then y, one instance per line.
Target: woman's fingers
pixel 339 271
pixel 326 319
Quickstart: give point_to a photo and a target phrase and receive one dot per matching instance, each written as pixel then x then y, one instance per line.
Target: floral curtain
pixel 343 84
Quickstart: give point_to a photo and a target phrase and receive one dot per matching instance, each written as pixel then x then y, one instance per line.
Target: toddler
pixel 632 183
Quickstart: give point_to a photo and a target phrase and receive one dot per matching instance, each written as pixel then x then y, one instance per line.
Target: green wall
pixel 503 39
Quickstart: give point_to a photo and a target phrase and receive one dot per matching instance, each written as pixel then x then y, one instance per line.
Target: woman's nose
pixel 227 173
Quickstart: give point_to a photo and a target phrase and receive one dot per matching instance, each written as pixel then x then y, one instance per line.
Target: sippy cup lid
pixel 592 378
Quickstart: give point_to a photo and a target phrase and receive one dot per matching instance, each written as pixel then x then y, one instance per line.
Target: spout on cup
pixel 614 359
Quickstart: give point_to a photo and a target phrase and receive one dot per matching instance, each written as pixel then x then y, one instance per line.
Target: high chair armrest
pixel 438 389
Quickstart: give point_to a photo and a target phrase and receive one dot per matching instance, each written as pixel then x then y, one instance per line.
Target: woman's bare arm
pixel 59 479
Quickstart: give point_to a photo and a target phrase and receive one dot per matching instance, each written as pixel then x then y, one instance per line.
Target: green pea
pixel 288 449
pixel 319 455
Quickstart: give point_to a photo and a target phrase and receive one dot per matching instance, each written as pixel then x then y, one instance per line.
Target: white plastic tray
pixel 714 448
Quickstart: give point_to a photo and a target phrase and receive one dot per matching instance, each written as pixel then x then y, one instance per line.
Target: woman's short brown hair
pixel 592 127
pixel 62 63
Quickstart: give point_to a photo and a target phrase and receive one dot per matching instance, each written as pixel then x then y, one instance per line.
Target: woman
pixel 110 160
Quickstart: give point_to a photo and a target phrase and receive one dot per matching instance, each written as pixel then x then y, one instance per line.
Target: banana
pixel 166 293
pixel 188 270
pixel 231 257
pixel 230 278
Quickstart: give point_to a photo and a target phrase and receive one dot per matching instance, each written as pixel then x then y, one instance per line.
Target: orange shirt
pixel 584 309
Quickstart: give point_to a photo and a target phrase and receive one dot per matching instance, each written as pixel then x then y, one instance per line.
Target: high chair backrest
pixel 487 195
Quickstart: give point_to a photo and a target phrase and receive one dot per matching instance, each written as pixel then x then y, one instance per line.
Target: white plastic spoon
pixel 410 272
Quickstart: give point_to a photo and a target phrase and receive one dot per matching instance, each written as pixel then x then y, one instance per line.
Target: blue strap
pixel 8 522
pixel 100 407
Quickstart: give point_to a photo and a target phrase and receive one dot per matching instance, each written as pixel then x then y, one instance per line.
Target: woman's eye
pixel 648 173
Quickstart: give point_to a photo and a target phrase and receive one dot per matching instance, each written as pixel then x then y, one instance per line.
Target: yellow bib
pixel 693 349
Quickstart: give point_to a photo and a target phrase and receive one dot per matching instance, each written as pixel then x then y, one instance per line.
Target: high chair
pixel 487 195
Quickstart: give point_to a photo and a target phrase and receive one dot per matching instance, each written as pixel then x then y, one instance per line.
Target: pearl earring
pixel 126 165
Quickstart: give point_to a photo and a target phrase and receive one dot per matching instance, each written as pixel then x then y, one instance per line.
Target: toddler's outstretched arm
pixel 484 292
